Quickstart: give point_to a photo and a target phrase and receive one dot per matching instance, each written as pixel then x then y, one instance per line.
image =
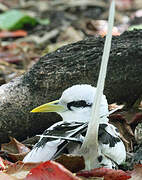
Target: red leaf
pixel 18 33
pixel 108 174
pixel 50 170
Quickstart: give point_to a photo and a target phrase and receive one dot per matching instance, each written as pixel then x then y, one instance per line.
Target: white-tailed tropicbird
pixel 74 107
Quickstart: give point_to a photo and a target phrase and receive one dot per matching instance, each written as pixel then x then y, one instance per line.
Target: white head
pixel 75 104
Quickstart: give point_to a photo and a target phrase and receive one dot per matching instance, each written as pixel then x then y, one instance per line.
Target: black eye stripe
pixel 80 103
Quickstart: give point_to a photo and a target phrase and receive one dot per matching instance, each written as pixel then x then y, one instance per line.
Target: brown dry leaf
pixel 73 163
pixel 137 172
pixel 129 125
pixel 92 178
pixel 19 170
pixel 115 106
pixel 124 128
pixel 15 150
pixel 132 117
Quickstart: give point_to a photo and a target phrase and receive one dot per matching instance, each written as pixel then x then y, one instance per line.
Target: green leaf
pixel 14 19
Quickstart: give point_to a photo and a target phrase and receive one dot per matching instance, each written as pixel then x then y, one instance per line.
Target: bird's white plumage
pixel 45 153
pixel 81 92
pixel 82 114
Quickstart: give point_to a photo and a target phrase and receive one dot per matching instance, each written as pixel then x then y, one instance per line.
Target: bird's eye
pixel 80 103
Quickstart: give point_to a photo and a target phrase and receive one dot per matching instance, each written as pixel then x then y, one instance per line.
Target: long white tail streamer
pixel 89 148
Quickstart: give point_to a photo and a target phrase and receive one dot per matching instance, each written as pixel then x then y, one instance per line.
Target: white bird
pixel 75 107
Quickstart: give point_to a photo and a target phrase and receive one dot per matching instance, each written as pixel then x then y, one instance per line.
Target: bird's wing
pixel 110 143
pixel 68 131
pixel 62 130
pixel 50 147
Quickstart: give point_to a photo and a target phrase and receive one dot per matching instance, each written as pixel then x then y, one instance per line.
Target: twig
pixel 40 40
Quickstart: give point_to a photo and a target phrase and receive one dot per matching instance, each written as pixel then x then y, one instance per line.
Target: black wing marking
pixel 105 137
pixel 64 129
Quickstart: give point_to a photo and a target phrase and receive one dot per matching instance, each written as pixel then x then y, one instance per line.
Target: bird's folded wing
pixel 49 147
pixel 62 130
pixel 111 145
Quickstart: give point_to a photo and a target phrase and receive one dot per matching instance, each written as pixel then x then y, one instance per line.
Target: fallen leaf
pixel 18 33
pixel 15 150
pixel 135 120
pixel 137 172
pixel 115 106
pixel 73 163
pixel 108 174
pixel 15 19
pixel 50 170
pixel 20 169
pixel 126 132
pixel 4 176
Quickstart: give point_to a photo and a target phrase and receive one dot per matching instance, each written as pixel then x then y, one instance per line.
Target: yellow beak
pixel 53 106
